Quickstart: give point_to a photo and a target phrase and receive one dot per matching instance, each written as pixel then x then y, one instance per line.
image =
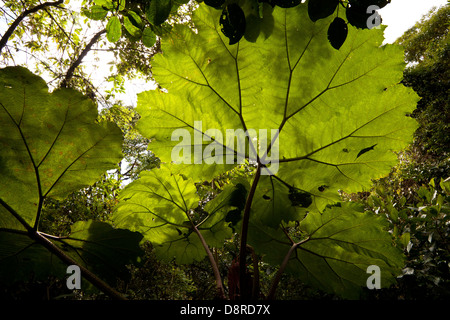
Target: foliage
pixel 337 146
pixel 139 20
pixel 419 221
pixel 58 42
pixel 250 18
pixel 427 49
pixel 414 197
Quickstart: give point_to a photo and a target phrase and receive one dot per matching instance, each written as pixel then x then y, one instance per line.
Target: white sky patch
pixel 400 15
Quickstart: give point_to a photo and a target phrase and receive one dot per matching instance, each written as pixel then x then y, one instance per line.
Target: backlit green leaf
pixel 159 11
pixel 160 205
pixel 95 12
pixel 131 28
pixel 329 106
pixel 339 245
pixel 148 37
pixel 113 29
pixel 50 143
pixel 338 117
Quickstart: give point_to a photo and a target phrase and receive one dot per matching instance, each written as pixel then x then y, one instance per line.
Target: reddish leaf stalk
pixel 219 284
pixel 273 287
pixel 244 233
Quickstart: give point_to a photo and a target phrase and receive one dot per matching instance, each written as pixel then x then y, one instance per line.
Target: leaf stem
pixel 244 232
pixel 255 288
pixel 88 275
pixel 42 239
pixel 219 284
pixel 273 287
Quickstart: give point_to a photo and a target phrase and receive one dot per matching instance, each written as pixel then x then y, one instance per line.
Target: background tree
pixel 427 50
pixel 415 196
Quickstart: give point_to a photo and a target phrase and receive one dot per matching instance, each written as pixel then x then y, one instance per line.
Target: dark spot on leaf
pixel 365 150
pixel 238 196
pixel 179 231
pixel 232 21
pixel 233 216
pixel 337 33
pixel 300 198
pixel 345 150
pixel 322 188
pixel 266 197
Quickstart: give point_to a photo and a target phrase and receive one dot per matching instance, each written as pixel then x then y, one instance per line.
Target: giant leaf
pixel 336 248
pixel 333 120
pixel 161 205
pixel 113 29
pixel 328 105
pixel 52 145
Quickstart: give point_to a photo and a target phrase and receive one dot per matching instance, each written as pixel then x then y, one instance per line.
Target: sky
pixel 400 15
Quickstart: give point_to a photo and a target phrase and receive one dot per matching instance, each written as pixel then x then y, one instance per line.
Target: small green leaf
pixel 158 11
pixel 135 19
pixel 95 12
pixel 404 239
pixel 148 37
pixel 120 4
pixel 113 29
pixel 393 214
pixel 131 28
